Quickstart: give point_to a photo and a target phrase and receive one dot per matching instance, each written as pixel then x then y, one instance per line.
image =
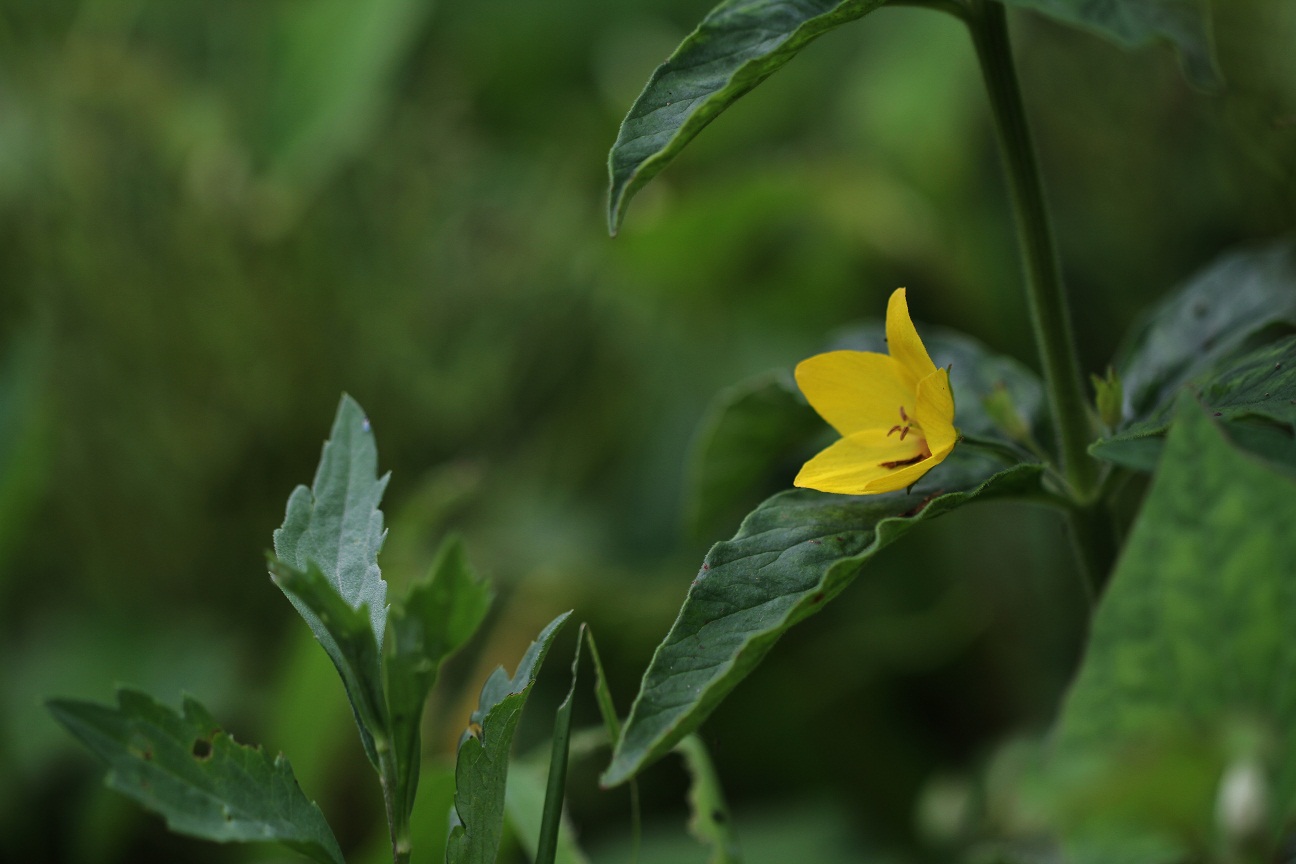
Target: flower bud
pixel 1109 396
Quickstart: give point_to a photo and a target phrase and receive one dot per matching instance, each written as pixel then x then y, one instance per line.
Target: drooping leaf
pixel 1257 385
pixel 1184 23
pixel 481 769
pixel 351 645
pixel 750 430
pixel 739 44
pixel 710 821
pixel 437 617
pixel 336 524
pixel 1193 634
pixel 191 772
pixel 794 553
pixel 556 782
pixel 1214 315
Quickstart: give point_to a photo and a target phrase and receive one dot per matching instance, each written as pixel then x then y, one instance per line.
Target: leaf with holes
pixel 481 769
pixel 191 772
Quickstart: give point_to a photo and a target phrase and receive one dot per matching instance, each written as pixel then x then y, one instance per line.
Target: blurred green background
pixel 214 218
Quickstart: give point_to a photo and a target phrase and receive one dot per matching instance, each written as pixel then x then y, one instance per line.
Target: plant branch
pixel 1046 296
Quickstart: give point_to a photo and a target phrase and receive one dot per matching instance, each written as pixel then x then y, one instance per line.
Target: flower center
pixel 904 427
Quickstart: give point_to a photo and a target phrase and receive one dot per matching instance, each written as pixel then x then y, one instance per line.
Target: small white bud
pixel 1242 803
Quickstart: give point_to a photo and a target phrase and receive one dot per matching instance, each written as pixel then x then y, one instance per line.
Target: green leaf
pixel 1257 385
pixel 739 44
pixel 524 808
pixel 191 772
pixel 750 430
pixel 437 617
pixel 1131 23
pixel 547 843
pixel 794 553
pixel 350 645
pixel 711 822
pixel 603 693
pixel 1193 634
pixel 336 524
pixel 1217 313
pixel 483 761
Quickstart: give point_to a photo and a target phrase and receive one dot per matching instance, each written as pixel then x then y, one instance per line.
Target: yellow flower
pixel 895 412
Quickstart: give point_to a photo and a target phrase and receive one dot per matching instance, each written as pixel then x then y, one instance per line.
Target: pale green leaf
pixel 191 772
pixel 481 769
pixel 336 524
pixel 436 618
pixel 794 553
pixel 351 645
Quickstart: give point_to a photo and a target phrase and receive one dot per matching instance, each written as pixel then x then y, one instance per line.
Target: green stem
pixel 1045 294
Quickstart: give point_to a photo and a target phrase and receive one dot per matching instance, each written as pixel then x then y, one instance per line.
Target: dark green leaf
pixel 1258 385
pixel 437 617
pixel 336 524
pixel 547 843
pixel 1194 633
pixel 1216 314
pixel 351 645
pixel 1184 23
pixel 738 45
pixel 191 772
pixel 794 553
pixel 482 765
pixel 750 431
pixel 711 822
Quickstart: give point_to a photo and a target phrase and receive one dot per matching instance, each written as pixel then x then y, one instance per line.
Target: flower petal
pixel 903 342
pixel 855 465
pixel 935 412
pixel 856 390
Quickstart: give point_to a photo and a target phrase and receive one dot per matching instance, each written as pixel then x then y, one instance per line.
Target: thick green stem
pixel 1044 290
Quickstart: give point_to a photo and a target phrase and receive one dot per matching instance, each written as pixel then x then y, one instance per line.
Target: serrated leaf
pixel 1193 633
pixel 336 524
pixel 710 821
pixel 1184 23
pixel 1212 316
pixel 191 772
pixel 750 429
pixel 350 645
pixel 739 44
pixel 1258 384
pixel 438 615
pixel 481 768
pixel 793 554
